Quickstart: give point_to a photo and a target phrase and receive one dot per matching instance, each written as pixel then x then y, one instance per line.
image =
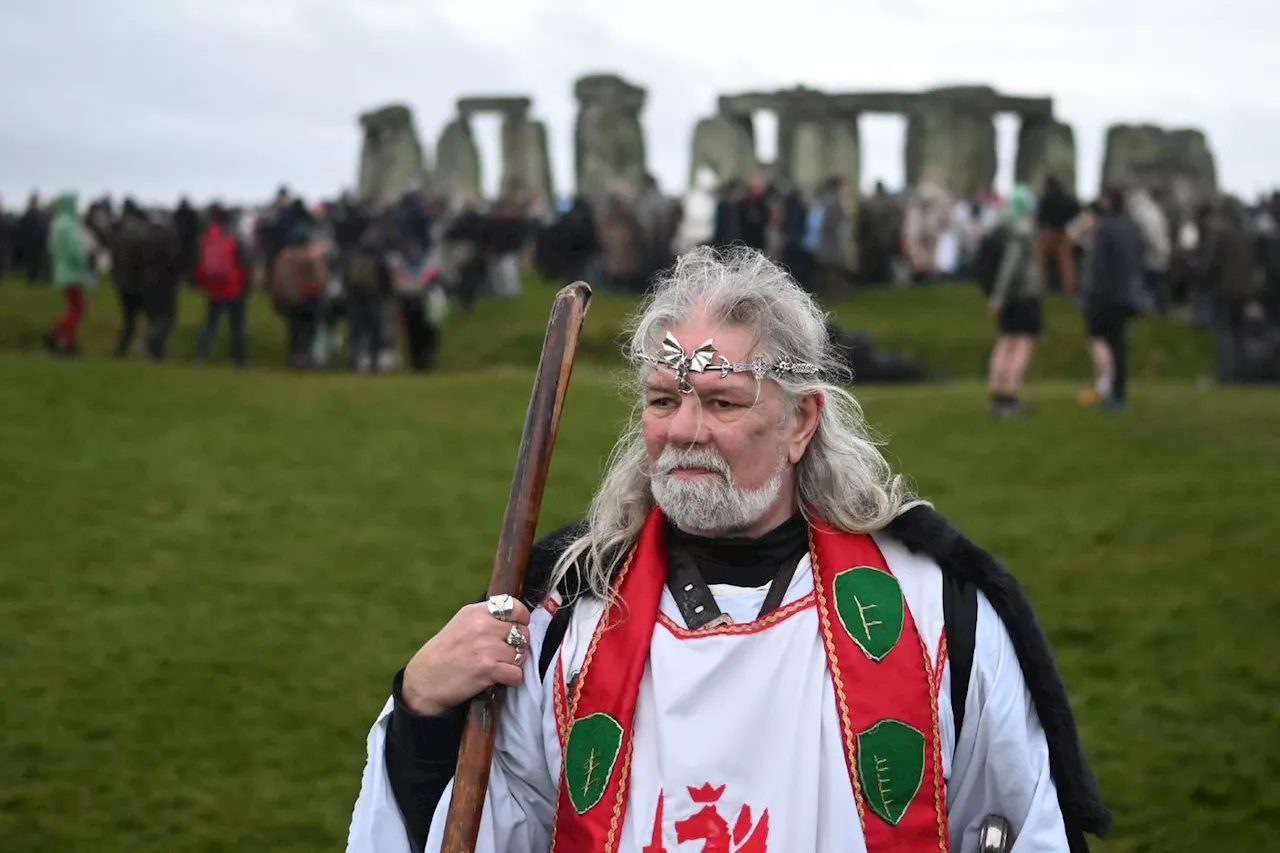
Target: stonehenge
pixel 950 140
pixel 951 136
pixel 526 166
pixel 609 149
pixel 391 157
pixel 1175 163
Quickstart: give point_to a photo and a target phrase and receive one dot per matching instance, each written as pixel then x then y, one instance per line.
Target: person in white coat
pixel 698 220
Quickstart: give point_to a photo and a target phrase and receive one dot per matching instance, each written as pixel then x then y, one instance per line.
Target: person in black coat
pixel 1115 283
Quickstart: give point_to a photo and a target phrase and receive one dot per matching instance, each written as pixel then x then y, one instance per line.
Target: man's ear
pixel 804 424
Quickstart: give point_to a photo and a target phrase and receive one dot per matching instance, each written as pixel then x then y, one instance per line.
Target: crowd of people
pixel 368 285
pixel 369 282
pixel 1123 256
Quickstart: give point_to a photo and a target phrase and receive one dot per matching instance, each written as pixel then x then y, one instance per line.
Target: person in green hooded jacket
pixel 69 254
pixel 1015 303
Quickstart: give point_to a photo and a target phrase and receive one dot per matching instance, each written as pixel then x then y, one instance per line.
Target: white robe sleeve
pixel 376 825
pixel 520 804
pixel 1001 764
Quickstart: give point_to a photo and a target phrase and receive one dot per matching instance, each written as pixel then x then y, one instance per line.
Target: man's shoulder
pixel 925 532
pixel 544 555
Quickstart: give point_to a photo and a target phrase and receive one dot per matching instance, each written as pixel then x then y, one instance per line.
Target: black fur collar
pixel 924 531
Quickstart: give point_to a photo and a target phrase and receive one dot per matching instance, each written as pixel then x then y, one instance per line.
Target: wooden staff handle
pixel 542 419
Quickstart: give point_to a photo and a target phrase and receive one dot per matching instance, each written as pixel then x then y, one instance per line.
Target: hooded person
pixel 1015 303
pixel 757 635
pixel 69 248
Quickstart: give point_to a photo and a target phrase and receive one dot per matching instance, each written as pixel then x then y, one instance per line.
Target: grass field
pixel 943 327
pixel 208 577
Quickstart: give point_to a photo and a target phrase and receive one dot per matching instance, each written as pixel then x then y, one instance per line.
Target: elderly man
pixel 756 640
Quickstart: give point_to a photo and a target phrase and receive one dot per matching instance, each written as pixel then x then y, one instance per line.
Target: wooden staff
pixel 542 418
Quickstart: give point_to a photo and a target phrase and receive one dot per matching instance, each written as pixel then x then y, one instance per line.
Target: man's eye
pixel 724 405
pixel 661 402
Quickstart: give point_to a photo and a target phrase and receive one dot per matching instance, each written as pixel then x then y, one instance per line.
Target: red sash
pixel 885 690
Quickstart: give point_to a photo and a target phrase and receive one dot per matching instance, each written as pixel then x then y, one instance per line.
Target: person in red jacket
pixel 222 272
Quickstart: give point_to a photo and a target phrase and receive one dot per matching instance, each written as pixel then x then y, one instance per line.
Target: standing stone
pixel 845 161
pixel 457 163
pixel 609 149
pixel 1176 163
pixel 951 139
pixel 1045 147
pixel 526 167
pixel 391 158
pixel 809 163
pixel 727 146
pixel 824 145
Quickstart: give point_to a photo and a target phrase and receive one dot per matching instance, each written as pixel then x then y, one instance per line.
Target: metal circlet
pixel 703 361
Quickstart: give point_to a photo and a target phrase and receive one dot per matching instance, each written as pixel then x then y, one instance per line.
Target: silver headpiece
pixel 703 360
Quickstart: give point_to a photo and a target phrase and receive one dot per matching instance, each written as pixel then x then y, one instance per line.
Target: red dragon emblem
pixel 708 826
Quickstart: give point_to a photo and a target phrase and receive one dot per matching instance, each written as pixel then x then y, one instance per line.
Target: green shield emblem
pixel 891 767
pixel 870 606
pixel 589 756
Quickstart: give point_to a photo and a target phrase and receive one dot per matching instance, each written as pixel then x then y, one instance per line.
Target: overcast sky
pixel 230 98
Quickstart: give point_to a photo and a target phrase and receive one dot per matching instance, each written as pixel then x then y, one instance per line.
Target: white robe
pixel 755 713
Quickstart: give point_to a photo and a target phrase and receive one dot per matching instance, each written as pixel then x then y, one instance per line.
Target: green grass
pixel 207 577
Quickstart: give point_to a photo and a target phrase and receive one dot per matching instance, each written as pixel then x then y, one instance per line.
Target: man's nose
pixel 687 425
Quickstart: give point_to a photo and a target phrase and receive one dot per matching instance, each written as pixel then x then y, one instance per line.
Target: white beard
pixel 713 505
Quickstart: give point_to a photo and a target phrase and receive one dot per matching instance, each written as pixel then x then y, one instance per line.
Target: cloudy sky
pixel 230 98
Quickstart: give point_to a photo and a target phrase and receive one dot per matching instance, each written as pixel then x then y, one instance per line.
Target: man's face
pixel 721 457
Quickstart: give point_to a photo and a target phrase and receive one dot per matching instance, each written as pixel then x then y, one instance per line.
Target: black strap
pixel 697 604
pixel 777 589
pixel 693 596
pixel 960 622
pixel 700 593
pixel 555 636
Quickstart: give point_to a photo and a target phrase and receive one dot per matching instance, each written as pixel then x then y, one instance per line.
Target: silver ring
pixel 514 638
pixel 501 607
pixel 519 657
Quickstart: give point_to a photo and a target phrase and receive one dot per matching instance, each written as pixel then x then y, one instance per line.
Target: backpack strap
pixel 960 622
pixel 554 637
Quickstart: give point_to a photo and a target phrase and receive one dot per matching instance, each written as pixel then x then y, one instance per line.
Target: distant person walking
pixel 1114 296
pixel 1056 210
pixel 7 228
pixel 145 268
pixel 366 278
pixel 1231 281
pixel 69 252
pixel 1015 303
pixel 222 271
pixel 414 279
pixel 30 241
pixel 298 279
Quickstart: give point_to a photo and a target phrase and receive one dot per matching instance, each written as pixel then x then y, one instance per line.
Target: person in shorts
pixel 1015 303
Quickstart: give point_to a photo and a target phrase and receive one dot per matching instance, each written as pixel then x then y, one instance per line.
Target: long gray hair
pixel 842 477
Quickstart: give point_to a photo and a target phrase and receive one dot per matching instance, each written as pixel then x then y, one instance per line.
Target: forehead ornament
pixel 703 360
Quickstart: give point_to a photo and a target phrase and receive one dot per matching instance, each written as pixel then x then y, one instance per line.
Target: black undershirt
pixel 740 561
pixel 421 752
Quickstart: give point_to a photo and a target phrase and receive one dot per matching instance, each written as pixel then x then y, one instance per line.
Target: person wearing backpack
pixel 366 278
pixel 299 276
pixel 222 272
